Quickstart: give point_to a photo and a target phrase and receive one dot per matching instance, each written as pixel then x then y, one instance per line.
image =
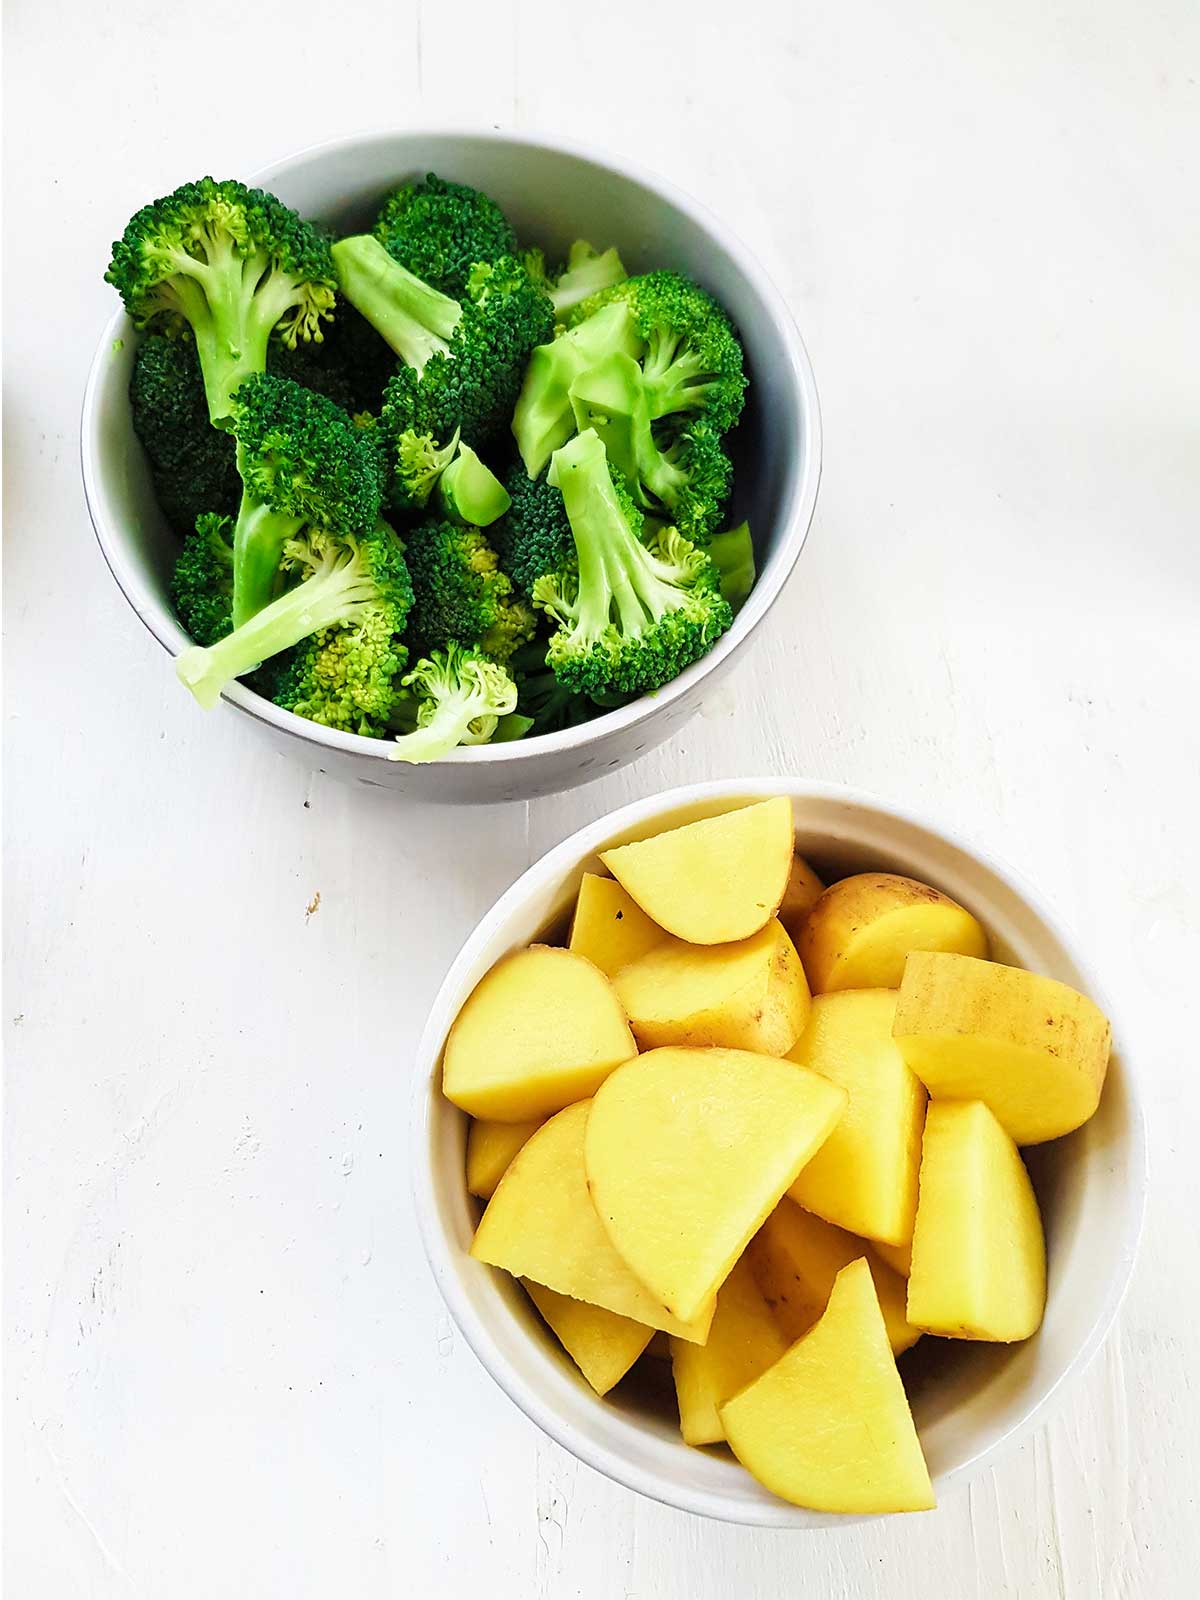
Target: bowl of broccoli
pixel 465 464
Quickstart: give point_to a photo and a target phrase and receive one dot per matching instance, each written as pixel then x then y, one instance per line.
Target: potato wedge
pixel 978 1255
pixel 609 927
pixel 829 1426
pixel 541 1224
pixel 803 891
pixel 896 1256
pixel 742 1343
pixel 795 1258
pixel 491 1147
pixel 1031 1048
pixel 715 880
pixel 688 1150
pixel 746 996
pixel 542 1029
pixel 601 1344
pixel 861 929
pixel 864 1177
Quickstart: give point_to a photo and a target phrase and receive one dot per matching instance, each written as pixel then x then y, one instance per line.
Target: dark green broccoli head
pixel 202 581
pixel 233 264
pixel 439 230
pixel 192 464
pixel 533 537
pixel 461 592
pixel 693 360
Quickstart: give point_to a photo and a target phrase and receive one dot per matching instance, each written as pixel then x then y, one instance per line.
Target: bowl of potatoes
pixel 776 1152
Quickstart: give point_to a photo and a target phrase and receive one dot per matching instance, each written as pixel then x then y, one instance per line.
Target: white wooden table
pixel 228 1372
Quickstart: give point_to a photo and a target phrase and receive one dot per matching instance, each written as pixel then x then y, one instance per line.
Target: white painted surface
pixel 228 1373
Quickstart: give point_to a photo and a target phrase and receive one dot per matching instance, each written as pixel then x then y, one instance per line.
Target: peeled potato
pixel 803 891
pixel 795 1258
pixel 978 1256
pixel 896 1256
pixel 742 1343
pixel 491 1147
pixel 1029 1047
pixel 601 1344
pixel 609 926
pixel 864 1177
pixel 828 1426
pixel 712 881
pixel 746 996
pixel 541 1224
pixel 686 1153
pixel 543 1029
pixel 861 929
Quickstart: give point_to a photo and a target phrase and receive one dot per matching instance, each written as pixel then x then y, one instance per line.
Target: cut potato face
pixel 795 1258
pixel 803 891
pixel 542 1030
pixel 828 1426
pixel 541 1224
pixel 713 881
pixel 1031 1048
pixel 491 1146
pixel 602 1345
pixel 860 931
pixel 746 996
pixel 609 926
pixel 978 1256
pixel 687 1151
pixel 864 1177
pixel 742 1343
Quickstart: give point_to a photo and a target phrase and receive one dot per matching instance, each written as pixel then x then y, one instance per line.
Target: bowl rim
pixel 794 520
pixel 562 858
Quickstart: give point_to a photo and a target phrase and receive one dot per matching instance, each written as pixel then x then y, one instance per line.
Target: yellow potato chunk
pixel 795 1258
pixel 828 1426
pixel 897 1256
pixel 543 1029
pixel 751 995
pixel 861 929
pixel 688 1150
pixel 609 926
pixel 601 1344
pixel 742 1343
pixel 1031 1048
pixel 978 1256
pixel 864 1177
pixel 803 891
pixel 715 880
pixel 541 1224
pixel 491 1146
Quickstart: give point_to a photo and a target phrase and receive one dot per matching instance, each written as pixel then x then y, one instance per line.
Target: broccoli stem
pixel 674 383
pixel 413 318
pixel 468 491
pixel 258 541
pixel 449 726
pixel 339 585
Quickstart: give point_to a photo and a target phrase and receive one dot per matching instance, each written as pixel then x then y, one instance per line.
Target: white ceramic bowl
pixel 970 1400
pixel 553 193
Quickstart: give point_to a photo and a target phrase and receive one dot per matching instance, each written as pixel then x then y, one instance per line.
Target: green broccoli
pixel 460 592
pixel 632 616
pixel 461 694
pixel 586 272
pixel 543 703
pixel 439 230
pixel 202 580
pixel 732 553
pixel 469 491
pixel 234 265
pixel 692 360
pixel 356 584
pixel 533 537
pixel 302 461
pixel 543 419
pixel 193 466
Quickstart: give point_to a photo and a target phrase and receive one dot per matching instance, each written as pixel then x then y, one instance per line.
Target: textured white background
pixel 228 1373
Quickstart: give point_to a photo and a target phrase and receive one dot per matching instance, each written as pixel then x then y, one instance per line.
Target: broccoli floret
pixel 302 461
pixel 469 491
pixel 543 419
pixel 460 592
pixel 692 360
pixel 193 466
pixel 544 703
pixel 356 584
pixel 439 230
pixel 202 581
pixel 586 272
pixel 461 695
pixel 732 553
pixel 633 615
pixel 235 266
pixel 533 537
